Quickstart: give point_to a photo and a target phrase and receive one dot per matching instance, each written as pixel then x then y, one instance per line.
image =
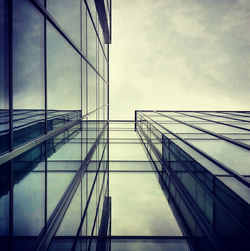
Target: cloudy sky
pixel 179 54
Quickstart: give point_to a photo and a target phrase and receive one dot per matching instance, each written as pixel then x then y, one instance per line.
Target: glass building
pixel 72 179
pixel 202 163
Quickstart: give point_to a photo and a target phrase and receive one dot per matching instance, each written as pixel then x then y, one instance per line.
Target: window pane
pixel 139 198
pixel 4 87
pixel 64 73
pixel 91 42
pixel 29 190
pixel 67 14
pixel 4 199
pixel 91 89
pixel 28 71
pixel 149 244
pixel 232 156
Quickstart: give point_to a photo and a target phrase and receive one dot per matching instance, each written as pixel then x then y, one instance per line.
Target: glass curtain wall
pixel 53 88
pixel 203 159
pixel 142 217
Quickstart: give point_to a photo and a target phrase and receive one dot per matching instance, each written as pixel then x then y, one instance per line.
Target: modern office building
pixel 54 79
pixel 72 179
pixel 202 160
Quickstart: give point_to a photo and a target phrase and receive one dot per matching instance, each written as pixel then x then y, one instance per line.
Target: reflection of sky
pixel 3 49
pixel 91 89
pixel 4 215
pixel 29 200
pixel 63 72
pixel 91 41
pixel 63 63
pixel 232 156
pixel 139 206
pixel 29 205
pixel 57 184
pixel 186 54
pixel 28 71
pixel 67 152
pixel 156 245
pixel 72 217
pixel 67 15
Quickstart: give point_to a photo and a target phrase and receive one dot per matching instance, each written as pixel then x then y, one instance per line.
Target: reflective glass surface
pixel 67 14
pixel 4 199
pixel 92 87
pixel 28 71
pixel 29 189
pixel 64 73
pixel 91 41
pixel 195 174
pixel 232 156
pixel 149 244
pixel 4 88
pixel 139 207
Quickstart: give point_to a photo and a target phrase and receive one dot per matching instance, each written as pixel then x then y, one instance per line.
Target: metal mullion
pixel 99 199
pixel 21 113
pixel 21 149
pixel 87 204
pixel 240 144
pixel 214 121
pixel 81 82
pixel 223 116
pixel 197 180
pixel 35 115
pixel 97 209
pixel 96 77
pixel 86 65
pixel 97 34
pixel 235 114
pixel 46 120
pixel 57 215
pixel 187 198
pixel 110 19
pixel 179 216
pixel 108 83
pixel 25 125
pixel 195 111
pixel 94 111
pixel 10 76
pixel 222 166
pixel 52 21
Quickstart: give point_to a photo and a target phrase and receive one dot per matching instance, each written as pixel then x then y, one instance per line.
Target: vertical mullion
pixel 81 110
pixel 87 109
pixel 46 118
pixel 10 75
pixel 96 116
pixel 81 51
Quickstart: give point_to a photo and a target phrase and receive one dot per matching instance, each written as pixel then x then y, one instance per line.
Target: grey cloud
pixel 179 55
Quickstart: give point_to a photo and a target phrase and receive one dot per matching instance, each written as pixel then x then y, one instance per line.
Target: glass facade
pixel 72 179
pixel 54 83
pixel 202 159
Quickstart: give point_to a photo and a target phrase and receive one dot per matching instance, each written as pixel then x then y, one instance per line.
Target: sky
pixel 179 54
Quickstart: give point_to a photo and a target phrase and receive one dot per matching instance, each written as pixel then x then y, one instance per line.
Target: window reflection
pixel 91 42
pixel 91 89
pixel 28 67
pixel 64 73
pixel 4 88
pixel 67 14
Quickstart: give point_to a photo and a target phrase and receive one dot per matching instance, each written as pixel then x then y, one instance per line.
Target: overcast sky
pixel 179 54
